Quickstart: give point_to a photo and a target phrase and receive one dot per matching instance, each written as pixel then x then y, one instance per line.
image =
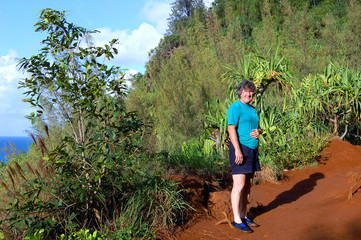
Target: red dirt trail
pixel 314 203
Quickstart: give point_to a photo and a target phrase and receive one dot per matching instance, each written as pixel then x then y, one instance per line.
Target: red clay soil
pixel 321 202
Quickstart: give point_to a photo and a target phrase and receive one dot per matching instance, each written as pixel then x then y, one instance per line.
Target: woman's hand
pixel 239 157
pixel 255 133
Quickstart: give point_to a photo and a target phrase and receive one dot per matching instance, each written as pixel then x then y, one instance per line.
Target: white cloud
pixel 158 13
pixel 133 47
pixel 12 109
pixel 8 68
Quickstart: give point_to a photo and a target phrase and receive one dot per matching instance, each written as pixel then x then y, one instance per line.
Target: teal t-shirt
pixel 245 118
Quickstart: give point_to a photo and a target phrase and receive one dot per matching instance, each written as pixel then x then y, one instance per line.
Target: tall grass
pixel 156 206
pixel 194 158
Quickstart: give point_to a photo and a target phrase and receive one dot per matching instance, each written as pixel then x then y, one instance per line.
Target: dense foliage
pixel 100 153
pixel 184 73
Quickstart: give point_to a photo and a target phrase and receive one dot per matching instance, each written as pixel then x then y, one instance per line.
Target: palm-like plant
pixel 262 72
pixel 334 95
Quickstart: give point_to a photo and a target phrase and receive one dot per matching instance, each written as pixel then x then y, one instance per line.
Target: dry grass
pixel 266 175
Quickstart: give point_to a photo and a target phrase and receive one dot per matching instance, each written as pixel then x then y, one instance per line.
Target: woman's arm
pixel 234 139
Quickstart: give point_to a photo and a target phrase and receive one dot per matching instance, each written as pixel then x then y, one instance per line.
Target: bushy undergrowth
pixel 146 203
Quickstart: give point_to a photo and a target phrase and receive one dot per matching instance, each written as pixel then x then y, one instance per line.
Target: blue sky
pixel 138 24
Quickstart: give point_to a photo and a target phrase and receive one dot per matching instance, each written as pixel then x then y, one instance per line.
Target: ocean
pixel 20 143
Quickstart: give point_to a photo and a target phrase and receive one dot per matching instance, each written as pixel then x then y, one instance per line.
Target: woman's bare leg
pixel 245 195
pixel 239 182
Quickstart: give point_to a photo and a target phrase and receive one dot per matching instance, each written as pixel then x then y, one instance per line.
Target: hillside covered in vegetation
pixel 103 156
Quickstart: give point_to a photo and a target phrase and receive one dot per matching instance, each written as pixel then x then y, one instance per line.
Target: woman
pixel 243 128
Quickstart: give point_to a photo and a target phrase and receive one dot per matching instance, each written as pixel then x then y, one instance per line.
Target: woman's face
pixel 246 96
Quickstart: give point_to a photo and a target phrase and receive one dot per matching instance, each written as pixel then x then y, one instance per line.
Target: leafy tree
pixel 182 11
pixel 94 166
pixel 174 91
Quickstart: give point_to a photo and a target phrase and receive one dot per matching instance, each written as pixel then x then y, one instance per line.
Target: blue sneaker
pixel 243 227
pixel 251 223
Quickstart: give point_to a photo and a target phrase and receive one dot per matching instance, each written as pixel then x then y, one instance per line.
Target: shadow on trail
pixel 298 190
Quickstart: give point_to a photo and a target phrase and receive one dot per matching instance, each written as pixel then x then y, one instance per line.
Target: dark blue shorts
pixel 250 162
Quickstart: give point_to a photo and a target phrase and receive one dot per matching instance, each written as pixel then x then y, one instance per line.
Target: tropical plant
pixel 333 96
pixel 262 72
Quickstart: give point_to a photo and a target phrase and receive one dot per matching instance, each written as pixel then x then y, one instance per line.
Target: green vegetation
pixel 97 172
pixel 184 73
pixel 100 155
